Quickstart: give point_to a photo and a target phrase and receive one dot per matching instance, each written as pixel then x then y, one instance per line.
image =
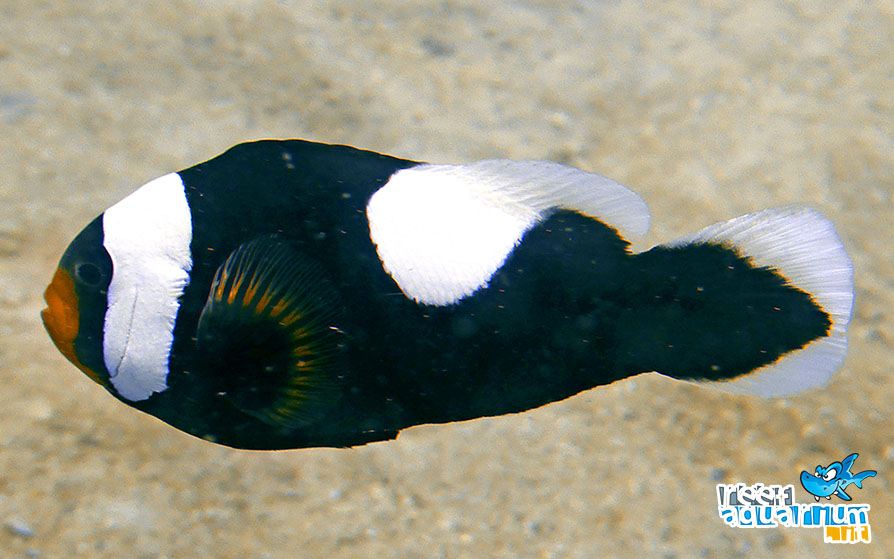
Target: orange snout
pixel 61 319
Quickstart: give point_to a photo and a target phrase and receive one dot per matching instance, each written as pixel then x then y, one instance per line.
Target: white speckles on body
pixel 442 231
pixel 147 235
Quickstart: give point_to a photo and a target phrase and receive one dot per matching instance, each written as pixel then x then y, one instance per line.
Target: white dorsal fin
pixel 442 231
pixel 803 247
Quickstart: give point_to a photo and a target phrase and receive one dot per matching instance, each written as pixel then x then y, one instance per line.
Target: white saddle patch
pixel 442 231
pixel 147 235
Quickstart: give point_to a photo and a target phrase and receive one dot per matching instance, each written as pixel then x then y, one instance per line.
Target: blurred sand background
pixel 708 111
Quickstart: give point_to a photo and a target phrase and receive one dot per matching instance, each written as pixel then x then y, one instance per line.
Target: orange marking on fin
pixel 249 295
pixel 251 291
pixel 221 281
pixel 292 319
pixel 281 306
pixel 264 301
pixel 231 296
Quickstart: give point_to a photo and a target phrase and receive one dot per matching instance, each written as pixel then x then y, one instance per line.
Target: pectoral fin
pixel 268 334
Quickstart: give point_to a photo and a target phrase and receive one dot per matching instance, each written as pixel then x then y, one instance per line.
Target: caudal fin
pixel 858 478
pixel 800 245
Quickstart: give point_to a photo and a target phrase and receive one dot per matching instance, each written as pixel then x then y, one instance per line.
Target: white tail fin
pixel 802 245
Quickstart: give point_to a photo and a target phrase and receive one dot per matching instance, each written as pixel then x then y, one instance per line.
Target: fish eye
pixel 88 274
pixel 830 474
pixel 819 471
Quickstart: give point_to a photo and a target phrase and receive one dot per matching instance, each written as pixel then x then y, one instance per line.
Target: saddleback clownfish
pixel 290 294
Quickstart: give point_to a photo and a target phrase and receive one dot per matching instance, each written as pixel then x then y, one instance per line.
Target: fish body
pixel 291 294
pixel 834 478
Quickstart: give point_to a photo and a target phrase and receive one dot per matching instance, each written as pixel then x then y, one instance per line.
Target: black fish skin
pixel 570 309
pixel 315 196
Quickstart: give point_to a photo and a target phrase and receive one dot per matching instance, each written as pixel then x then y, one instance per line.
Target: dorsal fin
pixel 441 231
pixel 847 463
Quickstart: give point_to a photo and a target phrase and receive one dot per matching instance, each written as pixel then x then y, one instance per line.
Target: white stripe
pixel 802 245
pixel 442 231
pixel 147 236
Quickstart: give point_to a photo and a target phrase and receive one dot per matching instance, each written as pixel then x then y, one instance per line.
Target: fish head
pixel 112 304
pixel 824 481
pixel 76 302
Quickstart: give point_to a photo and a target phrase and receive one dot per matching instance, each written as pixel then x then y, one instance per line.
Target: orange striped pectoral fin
pixel 264 337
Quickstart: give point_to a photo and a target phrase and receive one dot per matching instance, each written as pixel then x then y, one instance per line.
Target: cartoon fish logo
pixel 832 479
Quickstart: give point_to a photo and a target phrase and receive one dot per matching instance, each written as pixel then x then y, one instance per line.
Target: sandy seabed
pixel 708 111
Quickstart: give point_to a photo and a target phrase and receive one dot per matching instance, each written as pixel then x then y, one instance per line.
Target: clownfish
pixel 290 294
